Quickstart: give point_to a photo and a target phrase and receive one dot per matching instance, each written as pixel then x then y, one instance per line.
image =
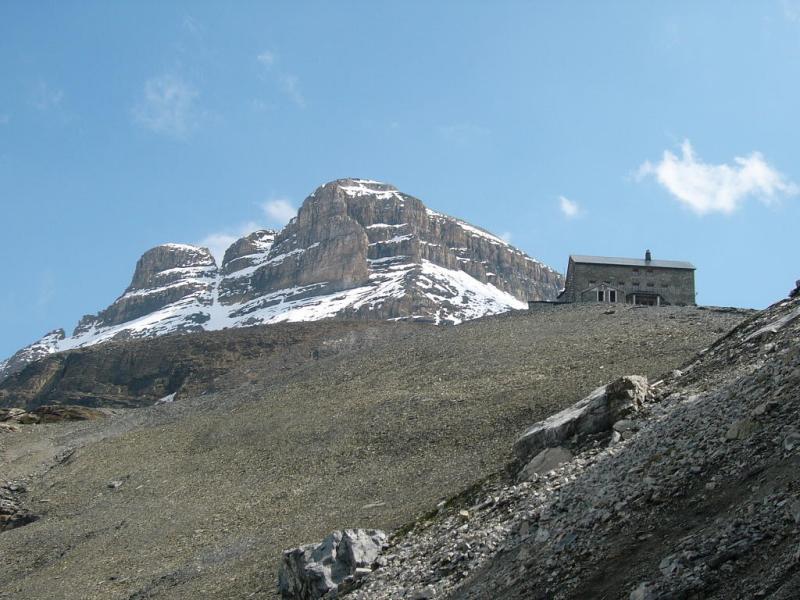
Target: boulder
pixel 311 571
pixel 597 412
pixel 741 429
pixel 791 441
pixel 12 514
pixel 28 419
pixel 547 460
pixel 644 591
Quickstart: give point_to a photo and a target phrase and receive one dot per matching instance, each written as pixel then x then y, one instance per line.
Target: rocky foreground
pixel 691 489
pixel 315 427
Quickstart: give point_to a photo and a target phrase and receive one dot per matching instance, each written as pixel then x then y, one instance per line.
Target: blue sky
pixel 575 127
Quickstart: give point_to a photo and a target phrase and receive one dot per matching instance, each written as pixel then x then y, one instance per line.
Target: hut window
pixel 612 295
pixel 600 296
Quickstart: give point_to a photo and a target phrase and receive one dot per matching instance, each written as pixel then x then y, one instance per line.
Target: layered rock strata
pixel 356 249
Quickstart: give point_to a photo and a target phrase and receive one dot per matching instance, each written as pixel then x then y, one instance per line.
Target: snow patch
pixel 385 226
pixel 395 240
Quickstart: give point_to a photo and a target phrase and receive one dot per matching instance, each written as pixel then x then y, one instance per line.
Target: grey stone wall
pixel 675 286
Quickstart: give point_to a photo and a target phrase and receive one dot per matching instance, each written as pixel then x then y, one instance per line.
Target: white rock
pixel 311 571
pixel 642 592
pixel 594 413
pixel 791 441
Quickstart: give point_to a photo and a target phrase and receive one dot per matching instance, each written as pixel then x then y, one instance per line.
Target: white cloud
pixel 707 188
pixel 506 236
pixel 168 107
pixel 266 58
pixel 287 83
pixel 791 10
pixel 279 211
pixel 569 208
pixel 45 97
pixel 220 241
pixel 290 86
pixel 192 25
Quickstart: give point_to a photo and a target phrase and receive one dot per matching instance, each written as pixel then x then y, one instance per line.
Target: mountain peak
pixel 243 252
pixel 358 248
pixel 354 187
pixel 163 264
pixel 356 182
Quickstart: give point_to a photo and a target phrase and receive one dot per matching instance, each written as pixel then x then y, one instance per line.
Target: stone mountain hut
pixel 629 280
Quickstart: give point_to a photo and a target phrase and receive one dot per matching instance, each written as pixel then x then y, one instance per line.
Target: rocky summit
pixel 357 249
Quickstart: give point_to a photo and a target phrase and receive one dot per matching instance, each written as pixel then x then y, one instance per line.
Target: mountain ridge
pixel 357 248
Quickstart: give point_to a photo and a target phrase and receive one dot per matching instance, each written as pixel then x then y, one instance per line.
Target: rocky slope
pixel 694 494
pixel 327 425
pixel 33 352
pixel 357 249
pixel 137 373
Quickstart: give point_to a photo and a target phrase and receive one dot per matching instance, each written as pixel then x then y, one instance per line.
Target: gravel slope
pixel 371 431
pixel 701 499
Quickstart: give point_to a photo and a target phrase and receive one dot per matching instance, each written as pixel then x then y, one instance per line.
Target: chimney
pixel 647 256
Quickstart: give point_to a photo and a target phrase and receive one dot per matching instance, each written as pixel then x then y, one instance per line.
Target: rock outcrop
pixel 594 414
pixel 12 513
pixel 49 414
pixel 545 461
pixel 356 249
pixel 334 565
pixel 248 252
pixel 170 275
pixel 241 259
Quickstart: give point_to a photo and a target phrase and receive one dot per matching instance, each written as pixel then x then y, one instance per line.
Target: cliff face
pixel 167 275
pixel 394 257
pixel 356 249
